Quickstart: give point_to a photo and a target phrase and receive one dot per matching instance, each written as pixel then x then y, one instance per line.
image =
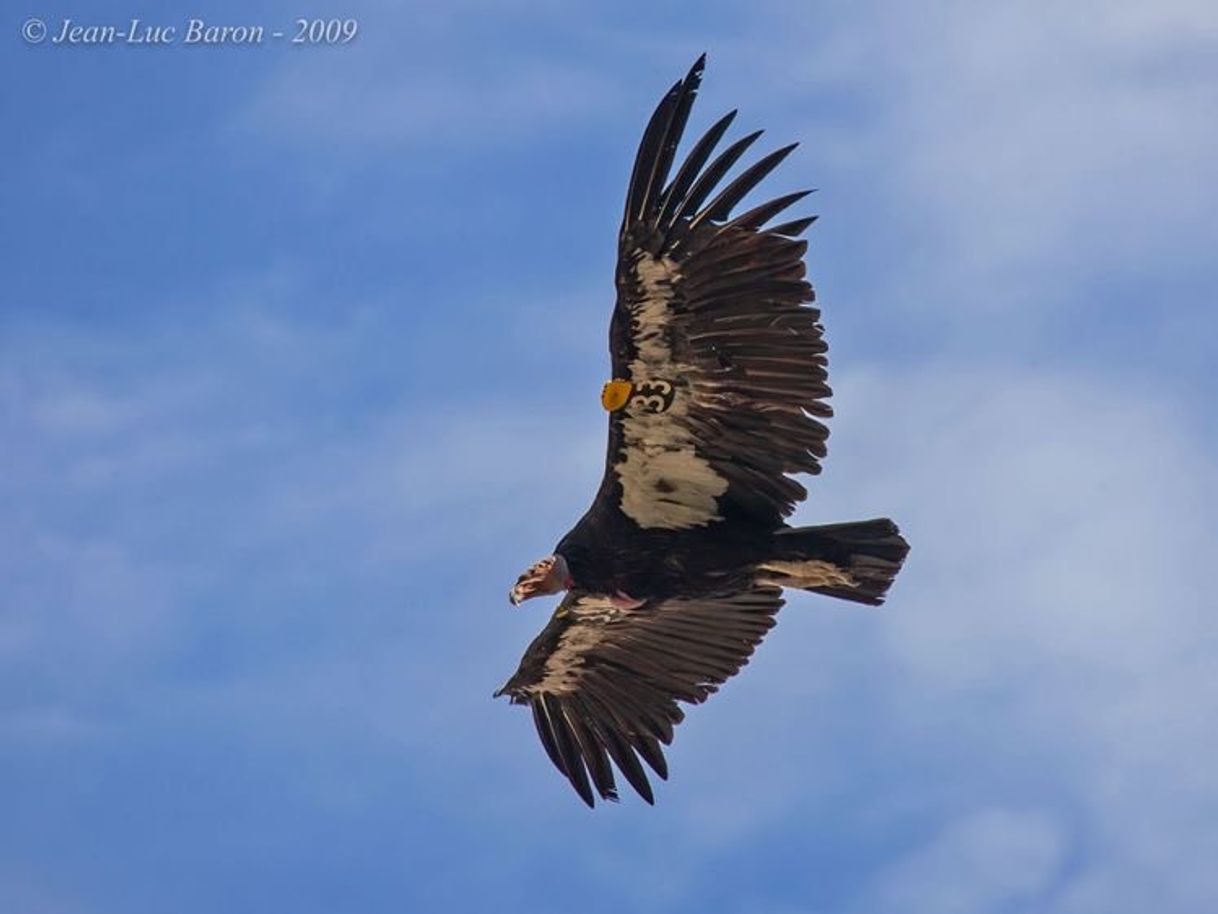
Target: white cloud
pixel 1020 148
pixel 990 860
pixel 405 88
pixel 369 107
pixel 1051 626
pixel 143 473
pixel 1047 495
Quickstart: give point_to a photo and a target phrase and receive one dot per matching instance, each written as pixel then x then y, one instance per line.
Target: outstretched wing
pixel 725 360
pixel 603 682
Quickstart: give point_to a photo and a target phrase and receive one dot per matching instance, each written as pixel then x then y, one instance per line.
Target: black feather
pixel 547 735
pixel 673 131
pixel 653 138
pixel 760 215
pixel 568 749
pixel 712 176
pixel 721 207
pixel 591 749
pixel 623 756
pixel 674 196
pixel 793 229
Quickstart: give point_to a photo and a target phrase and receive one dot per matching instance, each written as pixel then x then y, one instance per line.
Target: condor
pixel 676 572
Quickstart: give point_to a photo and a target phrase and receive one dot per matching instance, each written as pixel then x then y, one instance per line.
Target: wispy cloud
pixel 1024 150
pixel 430 80
pixel 990 860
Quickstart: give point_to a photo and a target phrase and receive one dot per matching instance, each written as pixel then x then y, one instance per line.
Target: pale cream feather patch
pixel 665 483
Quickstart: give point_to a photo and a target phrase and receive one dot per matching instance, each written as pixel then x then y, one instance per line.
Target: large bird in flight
pixel 676 572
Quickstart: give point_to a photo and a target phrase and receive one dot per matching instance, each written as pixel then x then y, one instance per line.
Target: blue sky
pixel 300 351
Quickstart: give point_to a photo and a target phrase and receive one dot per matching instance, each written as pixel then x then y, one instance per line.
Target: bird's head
pixel 550 575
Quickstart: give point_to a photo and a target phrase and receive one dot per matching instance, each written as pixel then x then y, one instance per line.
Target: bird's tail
pixel 856 561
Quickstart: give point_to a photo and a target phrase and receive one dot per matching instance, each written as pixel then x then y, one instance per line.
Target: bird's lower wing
pixel 603 681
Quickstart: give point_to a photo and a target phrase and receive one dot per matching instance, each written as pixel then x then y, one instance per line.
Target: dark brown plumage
pixel 675 572
pixel 604 683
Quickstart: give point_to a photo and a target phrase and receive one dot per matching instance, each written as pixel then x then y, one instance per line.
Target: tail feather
pixel 854 561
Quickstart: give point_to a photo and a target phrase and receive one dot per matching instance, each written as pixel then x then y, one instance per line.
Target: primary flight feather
pixel 675 573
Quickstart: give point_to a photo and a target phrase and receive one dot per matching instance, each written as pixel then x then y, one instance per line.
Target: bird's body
pixel 719 384
pixel 606 552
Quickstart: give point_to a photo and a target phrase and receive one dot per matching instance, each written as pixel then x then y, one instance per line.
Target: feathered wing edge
pixel 664 207
pixel 733 294
pixel 603 682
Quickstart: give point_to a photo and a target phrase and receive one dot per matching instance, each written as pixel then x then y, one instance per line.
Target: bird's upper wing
pixel 711 329
pixel 603 682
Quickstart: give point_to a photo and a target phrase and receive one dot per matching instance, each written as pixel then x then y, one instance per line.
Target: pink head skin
pixel 550 575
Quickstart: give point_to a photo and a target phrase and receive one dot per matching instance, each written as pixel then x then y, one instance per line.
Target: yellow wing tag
pixel 616 394
pixel 644 397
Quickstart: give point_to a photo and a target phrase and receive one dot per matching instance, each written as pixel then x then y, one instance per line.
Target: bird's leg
pixel 622 600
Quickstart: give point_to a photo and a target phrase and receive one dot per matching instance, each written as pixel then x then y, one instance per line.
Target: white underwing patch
pixel 666 484
pixel 596 622
pixel 564 666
